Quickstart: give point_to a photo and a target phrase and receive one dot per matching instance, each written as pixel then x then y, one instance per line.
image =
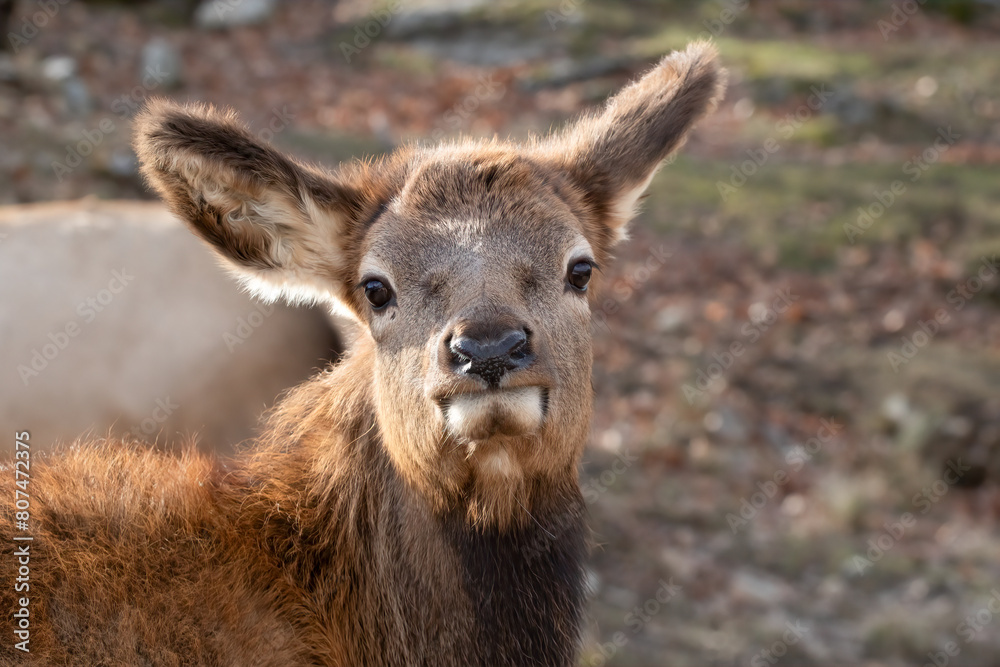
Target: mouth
pixel 497 412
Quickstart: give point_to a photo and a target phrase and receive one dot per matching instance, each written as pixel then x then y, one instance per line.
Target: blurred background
pixel 796 449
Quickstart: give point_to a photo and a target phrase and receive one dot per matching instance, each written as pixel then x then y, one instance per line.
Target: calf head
pixel 470 267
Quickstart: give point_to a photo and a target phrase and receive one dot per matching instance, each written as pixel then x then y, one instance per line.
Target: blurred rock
pixel 484 46
pixel 472 32
pixel 8 69
pixel 58 68
pixel 756 588
pixel 916 431
pixel 77 96
pixel 851 109
pixel 123 163
pixel 429 16
pixel 727 424
pixel 161 58
pixel 60 72
pixel 232 13
pixel 672 318
pixel 895 408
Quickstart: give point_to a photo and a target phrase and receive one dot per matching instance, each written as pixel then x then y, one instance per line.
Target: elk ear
pixel 613 154
pixel 287 229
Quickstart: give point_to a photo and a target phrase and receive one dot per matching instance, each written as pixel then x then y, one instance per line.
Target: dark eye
pixel 579 274
pixel 377 293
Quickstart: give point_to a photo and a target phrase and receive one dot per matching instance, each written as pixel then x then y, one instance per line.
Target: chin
pixel 504 413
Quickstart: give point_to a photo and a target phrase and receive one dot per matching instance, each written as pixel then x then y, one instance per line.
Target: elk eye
pixel 579 274
pixel 377 293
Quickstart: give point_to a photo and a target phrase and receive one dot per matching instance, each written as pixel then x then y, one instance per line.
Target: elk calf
pixel 415 504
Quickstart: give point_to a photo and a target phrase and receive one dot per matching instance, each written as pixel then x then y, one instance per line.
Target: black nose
pixel 490 357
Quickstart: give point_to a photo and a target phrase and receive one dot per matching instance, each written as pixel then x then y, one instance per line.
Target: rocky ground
pixel 796 449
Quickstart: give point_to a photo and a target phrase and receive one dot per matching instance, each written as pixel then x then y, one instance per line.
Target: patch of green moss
pixel 810 213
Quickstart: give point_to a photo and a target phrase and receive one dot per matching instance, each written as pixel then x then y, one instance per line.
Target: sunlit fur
pixel 380 519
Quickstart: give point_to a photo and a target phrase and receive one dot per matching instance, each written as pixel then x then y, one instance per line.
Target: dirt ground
pixel 795 456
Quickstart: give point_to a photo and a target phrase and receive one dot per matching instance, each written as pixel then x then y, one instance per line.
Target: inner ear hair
pixel 285 227
pixel 232 189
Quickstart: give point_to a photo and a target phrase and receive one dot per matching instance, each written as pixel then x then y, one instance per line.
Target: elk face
pixel 476 284
pixel 470 267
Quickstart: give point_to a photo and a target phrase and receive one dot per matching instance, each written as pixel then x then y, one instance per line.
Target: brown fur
pixel 394 512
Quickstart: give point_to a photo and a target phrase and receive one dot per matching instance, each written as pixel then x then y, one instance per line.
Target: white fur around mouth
pixel 506 412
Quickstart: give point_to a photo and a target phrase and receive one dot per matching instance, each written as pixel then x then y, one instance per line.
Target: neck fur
pixel 334 508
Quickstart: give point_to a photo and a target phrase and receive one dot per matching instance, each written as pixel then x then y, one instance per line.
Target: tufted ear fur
pixel 613 154
pixel 295 231
pixel 287 229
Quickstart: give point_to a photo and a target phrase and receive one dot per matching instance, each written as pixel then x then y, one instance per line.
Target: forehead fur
pixel 474 180
pixel 479 195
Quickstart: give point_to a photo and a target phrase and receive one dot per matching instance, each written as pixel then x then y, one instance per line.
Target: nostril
pixel 492 357
pixel 519 349
pixel 462 349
